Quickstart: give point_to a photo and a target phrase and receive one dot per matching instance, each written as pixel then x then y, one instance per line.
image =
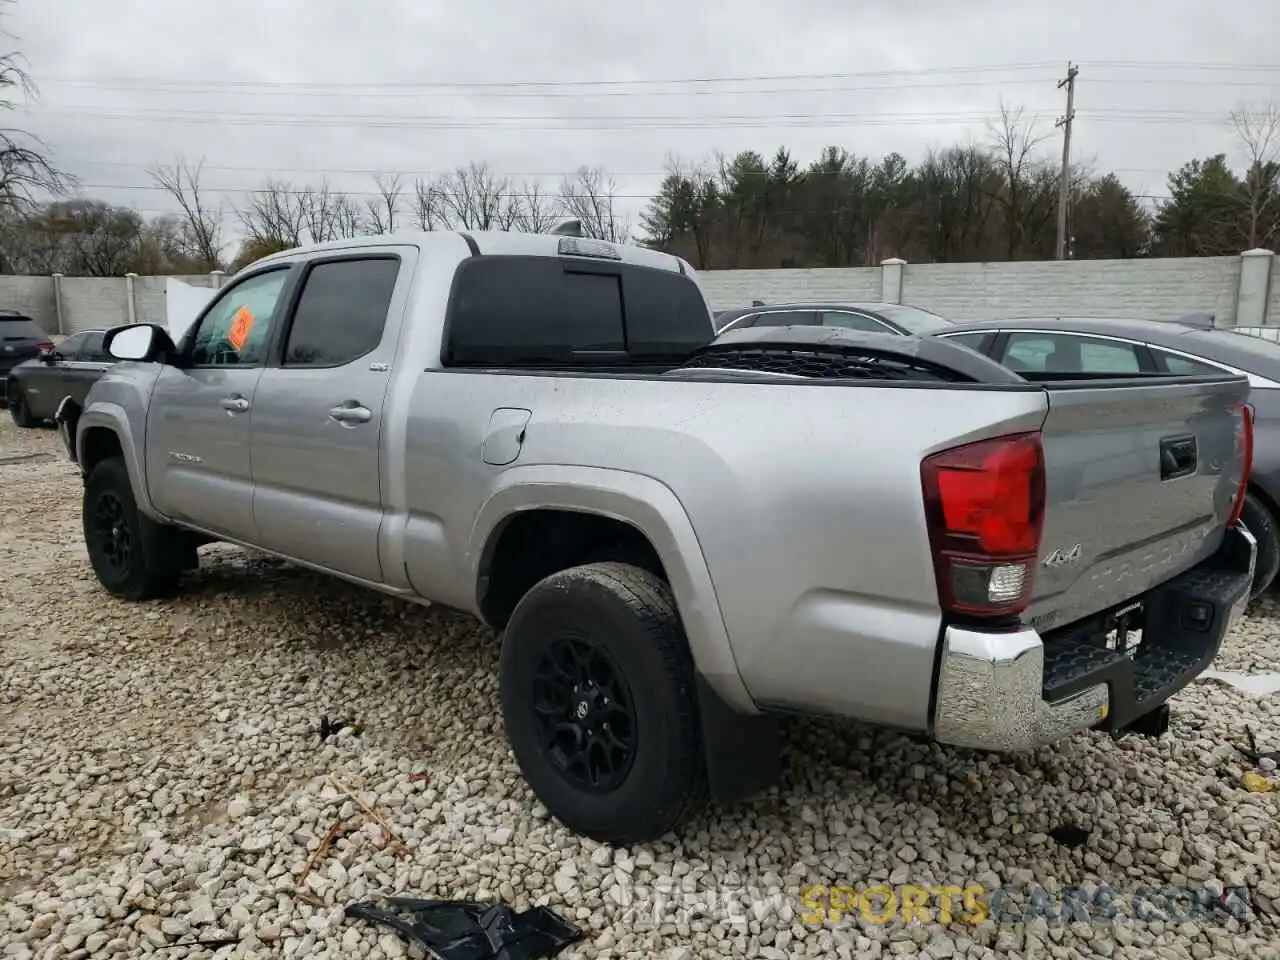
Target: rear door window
pixel 854 321
pixel 1184 366
pixel 341 312
pixel 1069 353
pixel 787 318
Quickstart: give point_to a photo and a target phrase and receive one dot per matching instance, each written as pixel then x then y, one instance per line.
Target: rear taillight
pixel 47 345
pixel 1244 445
pixel 984 503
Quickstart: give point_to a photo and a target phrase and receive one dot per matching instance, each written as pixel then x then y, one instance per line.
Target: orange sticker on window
pixel 240 328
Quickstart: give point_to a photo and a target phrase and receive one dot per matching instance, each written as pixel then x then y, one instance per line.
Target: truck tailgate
pixel 1140 480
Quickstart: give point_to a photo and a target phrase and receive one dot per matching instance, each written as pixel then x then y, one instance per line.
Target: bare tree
pixel 1259 131
pixel 535 210
pixel 318 213
pixel 26 172
pixel 275 216
pixel 426 205
pixel 1014 139
pixel 588 196
pixel 469 198
pixel 202 223
pixel 384 208
pixel 347 219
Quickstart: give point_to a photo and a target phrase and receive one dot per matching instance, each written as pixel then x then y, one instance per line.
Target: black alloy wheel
pixel 110 530
pixel 585 714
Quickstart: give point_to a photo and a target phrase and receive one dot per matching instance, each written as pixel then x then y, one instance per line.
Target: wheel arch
pixel 102 429
pixel 646 517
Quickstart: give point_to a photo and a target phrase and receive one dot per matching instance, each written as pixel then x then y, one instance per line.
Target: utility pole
pixel 1064 189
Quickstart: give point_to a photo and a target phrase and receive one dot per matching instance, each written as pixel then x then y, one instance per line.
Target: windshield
pixel 912 319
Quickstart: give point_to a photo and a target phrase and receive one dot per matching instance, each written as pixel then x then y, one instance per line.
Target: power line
pixel 739 78
pixel 613 122
pixel 490 84
pixel 269 90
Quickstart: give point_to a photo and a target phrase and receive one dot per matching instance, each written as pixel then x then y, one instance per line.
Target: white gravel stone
pixel 162 779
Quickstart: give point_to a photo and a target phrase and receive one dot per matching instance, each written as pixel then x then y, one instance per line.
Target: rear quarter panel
pixel 805 500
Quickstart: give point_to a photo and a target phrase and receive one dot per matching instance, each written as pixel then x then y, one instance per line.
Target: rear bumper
pixel 1015 691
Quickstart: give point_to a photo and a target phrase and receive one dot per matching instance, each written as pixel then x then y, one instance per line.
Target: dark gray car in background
pixel 1080 345
pixel 36 387
pixel 873 317
pixel 21 339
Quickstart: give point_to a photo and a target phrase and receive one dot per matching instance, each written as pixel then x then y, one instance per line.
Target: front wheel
pixel 1260 522
pixel 20 412
pixel 134 557
pixel 597 689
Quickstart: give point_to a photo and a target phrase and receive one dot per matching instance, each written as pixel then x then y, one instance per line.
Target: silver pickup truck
pixel 679 537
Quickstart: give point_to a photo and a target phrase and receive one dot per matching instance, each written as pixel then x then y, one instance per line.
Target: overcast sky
pixel 301 89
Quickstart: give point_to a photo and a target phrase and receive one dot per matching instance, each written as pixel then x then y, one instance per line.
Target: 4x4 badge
pixel 1060 557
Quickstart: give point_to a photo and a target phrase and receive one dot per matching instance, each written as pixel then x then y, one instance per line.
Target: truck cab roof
pixel 497 243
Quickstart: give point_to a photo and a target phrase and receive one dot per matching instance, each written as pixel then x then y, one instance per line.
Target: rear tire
pixel 134 557
pixel 598 699
pixel 20 412
pixel 1260 522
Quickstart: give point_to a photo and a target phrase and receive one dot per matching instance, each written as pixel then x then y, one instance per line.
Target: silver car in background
pixel 870 317
pixel 1073 346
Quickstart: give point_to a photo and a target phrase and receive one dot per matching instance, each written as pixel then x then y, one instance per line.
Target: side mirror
pixel 145 342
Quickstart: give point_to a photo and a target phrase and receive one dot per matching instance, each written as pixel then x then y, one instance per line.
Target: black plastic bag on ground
pixel 459 930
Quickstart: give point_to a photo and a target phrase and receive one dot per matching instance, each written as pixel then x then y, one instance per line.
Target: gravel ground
pixel 163 781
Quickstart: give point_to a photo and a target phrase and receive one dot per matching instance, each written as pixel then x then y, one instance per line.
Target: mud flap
pixel 66 418
pixel 743 751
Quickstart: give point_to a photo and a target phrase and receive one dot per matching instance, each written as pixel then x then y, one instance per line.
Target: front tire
pixel 134 557
pixel 598 699
pixel 20 412
pixel 1260 522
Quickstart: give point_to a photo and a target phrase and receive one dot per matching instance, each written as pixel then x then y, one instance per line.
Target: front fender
pixel 653 509
pixel 117 403
pixel 113 418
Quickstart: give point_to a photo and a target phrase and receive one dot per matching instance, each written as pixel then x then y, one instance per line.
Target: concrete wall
pixel 1160 289
pixel 65 305
pixel 1245 287
pixel 1138 289
pixel 89 303
pixel 727 289
pixel 32 296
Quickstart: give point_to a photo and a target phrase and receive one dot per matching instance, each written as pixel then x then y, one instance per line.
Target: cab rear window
pixel 548 311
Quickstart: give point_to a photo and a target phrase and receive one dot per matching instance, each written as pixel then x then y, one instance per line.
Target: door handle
pixel 351 414
pixel 235 404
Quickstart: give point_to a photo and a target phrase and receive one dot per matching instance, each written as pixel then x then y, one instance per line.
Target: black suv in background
pixel 20 339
